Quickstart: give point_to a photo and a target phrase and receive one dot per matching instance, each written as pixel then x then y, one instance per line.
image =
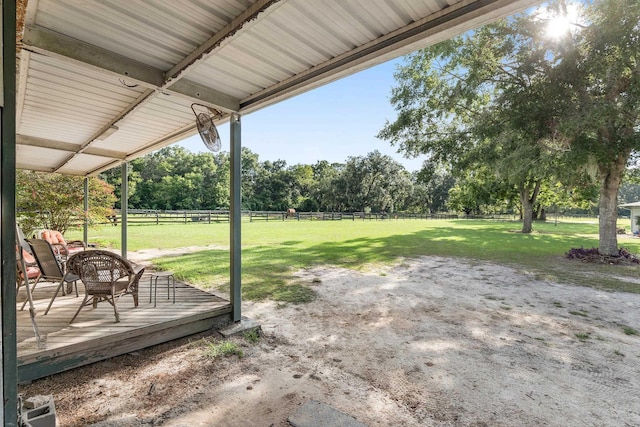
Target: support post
pixel 124 205
pixel 9 362
pixel 236 211
pixel 85 225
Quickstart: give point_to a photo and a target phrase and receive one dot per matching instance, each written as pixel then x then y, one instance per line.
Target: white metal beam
pixel 68 49
pixel 32 141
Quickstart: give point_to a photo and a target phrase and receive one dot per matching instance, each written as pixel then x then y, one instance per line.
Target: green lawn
pixel 273 251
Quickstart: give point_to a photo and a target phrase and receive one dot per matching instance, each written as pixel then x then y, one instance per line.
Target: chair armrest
pixel 76 244
pixel 59 249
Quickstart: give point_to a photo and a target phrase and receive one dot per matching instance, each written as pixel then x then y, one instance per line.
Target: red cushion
pixel 58 236
pixel 33 272
pixel 28 258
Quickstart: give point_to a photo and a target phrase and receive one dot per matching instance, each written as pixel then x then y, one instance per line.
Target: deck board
pixel 95 335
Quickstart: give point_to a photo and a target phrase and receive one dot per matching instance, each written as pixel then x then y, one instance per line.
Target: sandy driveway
pixel 430 342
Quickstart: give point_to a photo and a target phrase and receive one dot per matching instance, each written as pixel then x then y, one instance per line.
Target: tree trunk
pixel 527 200
pixel 536 212
pixel 610 179
pixel 527 215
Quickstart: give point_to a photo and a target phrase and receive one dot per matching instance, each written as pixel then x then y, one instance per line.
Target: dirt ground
pixel 429 342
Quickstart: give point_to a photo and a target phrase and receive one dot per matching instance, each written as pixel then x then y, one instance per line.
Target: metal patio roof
pixel 103 82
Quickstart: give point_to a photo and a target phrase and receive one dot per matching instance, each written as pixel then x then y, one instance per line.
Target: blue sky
pixel 330 123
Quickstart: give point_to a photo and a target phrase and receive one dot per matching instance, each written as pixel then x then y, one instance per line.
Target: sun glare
pixel 558 27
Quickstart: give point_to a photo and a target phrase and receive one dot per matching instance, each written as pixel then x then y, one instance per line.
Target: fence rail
pixel 154 217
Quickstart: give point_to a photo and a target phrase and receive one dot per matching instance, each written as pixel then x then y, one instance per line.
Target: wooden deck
pixel 95 336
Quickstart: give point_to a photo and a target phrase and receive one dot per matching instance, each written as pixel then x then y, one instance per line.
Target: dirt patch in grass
pixel 430 342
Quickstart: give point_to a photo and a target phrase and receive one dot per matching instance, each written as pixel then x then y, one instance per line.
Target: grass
pixel 252 336
pixel 272 251
pixel 579 313
pixel 583 336
pixel 214 349
pixel 629 330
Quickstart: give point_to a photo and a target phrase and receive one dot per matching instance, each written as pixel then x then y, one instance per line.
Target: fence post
pixel 157 218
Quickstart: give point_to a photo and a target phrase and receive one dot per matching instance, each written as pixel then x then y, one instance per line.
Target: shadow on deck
pixel 95 336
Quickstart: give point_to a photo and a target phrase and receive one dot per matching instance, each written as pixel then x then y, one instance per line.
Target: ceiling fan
pixel 206 128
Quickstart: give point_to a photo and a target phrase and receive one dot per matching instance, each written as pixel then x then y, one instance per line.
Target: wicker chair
pixel 106 277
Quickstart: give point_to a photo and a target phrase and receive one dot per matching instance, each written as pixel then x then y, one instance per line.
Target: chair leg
pixel 115 306
pixel 30 290
pixel 54 296
pixel 84 302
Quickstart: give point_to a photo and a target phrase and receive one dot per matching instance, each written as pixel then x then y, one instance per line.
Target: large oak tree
pixel 599 70
pixel 512 98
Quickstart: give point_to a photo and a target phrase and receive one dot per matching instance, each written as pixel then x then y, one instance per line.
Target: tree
pixel 482 100
pixel 174 178
pixel 274 185
pixel 479 192
pixel 374 181
pixel 325 191
pixel 599 73
pixel 54 201
pixel 437 182
pixel 303 184
pixel 250 166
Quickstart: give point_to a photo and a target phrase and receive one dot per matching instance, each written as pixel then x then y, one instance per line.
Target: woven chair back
pixel 99 270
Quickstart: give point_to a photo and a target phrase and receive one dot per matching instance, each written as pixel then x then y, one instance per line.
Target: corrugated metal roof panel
pixel 300 35
pixel 83 162
pixel 68 104
pixel 38 158
pixel 155 120
pixel 157 33
pixel 233 55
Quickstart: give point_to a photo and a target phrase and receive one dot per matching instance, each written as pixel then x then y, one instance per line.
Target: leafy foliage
pixel 529 106
pixel 175 179
pixel 481 102
pixel 598 70
pixel 54 201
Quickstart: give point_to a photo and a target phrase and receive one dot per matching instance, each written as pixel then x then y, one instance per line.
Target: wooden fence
pixel 153 217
